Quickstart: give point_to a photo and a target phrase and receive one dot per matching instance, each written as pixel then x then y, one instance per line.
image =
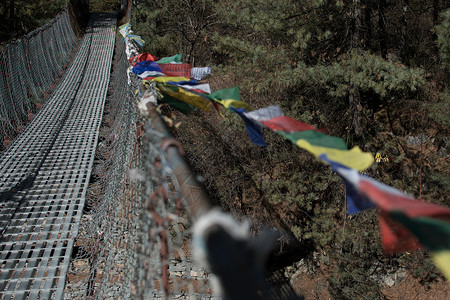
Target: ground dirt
pixel 315 286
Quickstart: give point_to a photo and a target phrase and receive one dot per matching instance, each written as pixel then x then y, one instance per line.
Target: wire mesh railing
pixel 134 238
pixel 29 68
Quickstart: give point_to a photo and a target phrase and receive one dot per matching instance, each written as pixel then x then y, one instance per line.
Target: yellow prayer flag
pixel 234 103
pixel 442 260
pixel 165 79
pixel 186 96
pixel 354 158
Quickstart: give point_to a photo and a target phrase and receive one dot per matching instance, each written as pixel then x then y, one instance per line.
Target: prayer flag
pixel 253 129
pixel 176 70
pixel 200 73
pixel 141 57
pixel 137 40
pixel 169 79
pixel 187 96
pixel 152 74
pixel 353 158
pixel 124 29
pixel 442 260
pixel 430 223
pixel 189 82
pixel 172 59
pixel 228 93
pixel 406 223
pixel 202 88
pixel 148 65
pixel 314 138
pixel 229 98
pixel 356 201
pixel 264 114
pixel 287 124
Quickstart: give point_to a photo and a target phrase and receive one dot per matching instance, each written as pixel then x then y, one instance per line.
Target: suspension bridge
pixel 46 170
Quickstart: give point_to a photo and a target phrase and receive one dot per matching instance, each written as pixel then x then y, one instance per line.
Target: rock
pixel 178 274
pixel 389 281
pixel 200 273
pixel 177 268
pixel 416 140
pixel 400 276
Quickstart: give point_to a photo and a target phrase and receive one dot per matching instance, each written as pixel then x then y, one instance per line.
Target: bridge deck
pixel 44 174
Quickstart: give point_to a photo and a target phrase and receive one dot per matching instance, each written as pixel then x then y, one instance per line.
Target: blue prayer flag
pixel 254 131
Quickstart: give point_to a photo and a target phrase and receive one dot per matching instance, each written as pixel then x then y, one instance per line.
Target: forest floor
pixel 315 286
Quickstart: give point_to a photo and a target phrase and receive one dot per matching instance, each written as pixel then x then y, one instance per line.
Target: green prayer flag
pixel 315 138
pixel 172 59
pixel 182 107
pixel 432 233
pixel 225 94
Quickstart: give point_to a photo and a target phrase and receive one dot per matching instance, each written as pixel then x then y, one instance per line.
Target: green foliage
pixel 364 71
pixel 301 56
pixel 443 39
pixel 26 16
pixel 358 255
pixel 350 281
pixel 426 272
pixel 440 111
pixel 104 5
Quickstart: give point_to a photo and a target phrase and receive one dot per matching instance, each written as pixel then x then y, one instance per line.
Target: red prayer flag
pixel 141 57
pixel 390 199
pixel 287 124
pixel 176 70
pixel 394 237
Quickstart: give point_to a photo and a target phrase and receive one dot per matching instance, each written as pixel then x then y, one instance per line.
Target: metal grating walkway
pixel 44 174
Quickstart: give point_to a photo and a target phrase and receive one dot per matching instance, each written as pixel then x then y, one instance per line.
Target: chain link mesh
pixel 134 239
pixel 29 69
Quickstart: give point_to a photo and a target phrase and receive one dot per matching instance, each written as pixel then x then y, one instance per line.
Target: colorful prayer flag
pixel 124 29
pixel 229 98
pixel 141 57
pixel 171 59
pixel 442 260
pixel 254 130
pixel 406 223
pixel 167 79
pixel 287 124
pixel 202 88
pixel 200 73
pixel 145 75
pixel 264 114
pixel 176 70
pixel 137 40
pixel 148 65
pixel 187 96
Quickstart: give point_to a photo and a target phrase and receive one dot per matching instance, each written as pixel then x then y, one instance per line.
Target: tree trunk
pixel 356 108
pixel 356 36
pixel 368 26
pixel 382 25
pixel 12 22
pixel 354 95
pixel 404 38
pixel 4 10
pixel 435 12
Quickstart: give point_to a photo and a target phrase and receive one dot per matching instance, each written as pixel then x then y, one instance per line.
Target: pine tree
pixel 21 16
